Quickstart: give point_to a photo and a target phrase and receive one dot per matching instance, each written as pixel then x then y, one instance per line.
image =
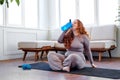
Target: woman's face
pixel 75 25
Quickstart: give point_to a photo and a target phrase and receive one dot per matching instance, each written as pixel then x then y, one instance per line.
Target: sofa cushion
pixel 102 44
pixel 59 45
pixel 88 29
pixel 106 32
pixel 94 44
pixel 35 44
pixel 54 34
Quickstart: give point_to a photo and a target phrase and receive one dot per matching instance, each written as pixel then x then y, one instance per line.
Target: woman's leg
pixel 68 62
pixel 80 61
pixel 55 60
pixel 74 60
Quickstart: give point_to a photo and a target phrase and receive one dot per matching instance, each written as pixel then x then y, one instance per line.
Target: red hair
pixel 70 36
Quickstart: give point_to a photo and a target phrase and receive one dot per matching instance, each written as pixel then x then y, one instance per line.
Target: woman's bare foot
pixel 93 65
pixel 66 69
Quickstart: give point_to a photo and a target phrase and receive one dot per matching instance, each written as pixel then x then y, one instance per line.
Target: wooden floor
pixel 9 71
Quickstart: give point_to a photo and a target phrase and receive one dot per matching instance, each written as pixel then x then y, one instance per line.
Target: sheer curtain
pixel 31 13
pixel 67 11
pixel 14 15
pixel 107 11
pixel 1 15
pixel 87 11
pixel 90 12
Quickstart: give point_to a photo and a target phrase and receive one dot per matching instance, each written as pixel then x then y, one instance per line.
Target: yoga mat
pixel 88 71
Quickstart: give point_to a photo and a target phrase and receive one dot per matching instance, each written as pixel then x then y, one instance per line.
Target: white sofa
pixel 102 38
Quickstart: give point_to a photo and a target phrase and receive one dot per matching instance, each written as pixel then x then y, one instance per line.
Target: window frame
pixel 96 12
pixel 22 25
pixel 2 23
pixel 77 13
pixel 6 17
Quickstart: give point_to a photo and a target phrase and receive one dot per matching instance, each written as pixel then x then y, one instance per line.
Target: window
pixel 1 15
pixel 31 13
pixel 14 15
pixel 67 11
pixel 90 12
pixel 48 14
pixel 53 14
pixel 107 11
pixel 86 8
pixel 25 15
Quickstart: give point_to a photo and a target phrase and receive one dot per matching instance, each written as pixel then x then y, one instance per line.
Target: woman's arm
pixel 88 50
pixel 60 39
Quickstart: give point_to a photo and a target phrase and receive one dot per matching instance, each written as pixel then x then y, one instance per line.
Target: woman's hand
pixel 93 65
pixel 68 31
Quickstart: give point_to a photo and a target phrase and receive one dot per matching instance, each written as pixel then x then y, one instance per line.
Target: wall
pixel 9 38
pixel 1 41
pixel 116 52
pixel 54 34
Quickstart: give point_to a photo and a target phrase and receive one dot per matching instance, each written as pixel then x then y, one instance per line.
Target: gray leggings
pixel 58 61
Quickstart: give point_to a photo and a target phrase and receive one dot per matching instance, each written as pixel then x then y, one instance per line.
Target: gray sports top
pixel 79 44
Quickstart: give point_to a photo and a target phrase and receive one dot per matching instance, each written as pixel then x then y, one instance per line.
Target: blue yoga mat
pixel 88 71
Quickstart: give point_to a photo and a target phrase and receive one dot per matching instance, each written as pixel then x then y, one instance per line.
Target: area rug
pixel 88 71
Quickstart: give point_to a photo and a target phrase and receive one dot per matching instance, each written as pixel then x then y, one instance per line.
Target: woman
pixel 76 42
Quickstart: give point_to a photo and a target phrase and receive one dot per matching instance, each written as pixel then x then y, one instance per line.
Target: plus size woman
pixel 76 42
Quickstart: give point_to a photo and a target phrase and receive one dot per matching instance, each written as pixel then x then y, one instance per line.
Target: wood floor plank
pixel 9 71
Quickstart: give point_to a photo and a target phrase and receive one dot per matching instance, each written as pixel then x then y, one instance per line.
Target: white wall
pixel 1 41
pixel 54 34
pixel 9 38
pixel 116 52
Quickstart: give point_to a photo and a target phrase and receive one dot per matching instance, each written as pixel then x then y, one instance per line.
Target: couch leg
pixel 100 56
pixel 56 51
pixel 24 56
pixel 41 54
pixel 109 53
pixel 36 56
pixel 47 52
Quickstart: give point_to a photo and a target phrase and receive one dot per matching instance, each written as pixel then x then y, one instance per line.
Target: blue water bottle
pixel 67 26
